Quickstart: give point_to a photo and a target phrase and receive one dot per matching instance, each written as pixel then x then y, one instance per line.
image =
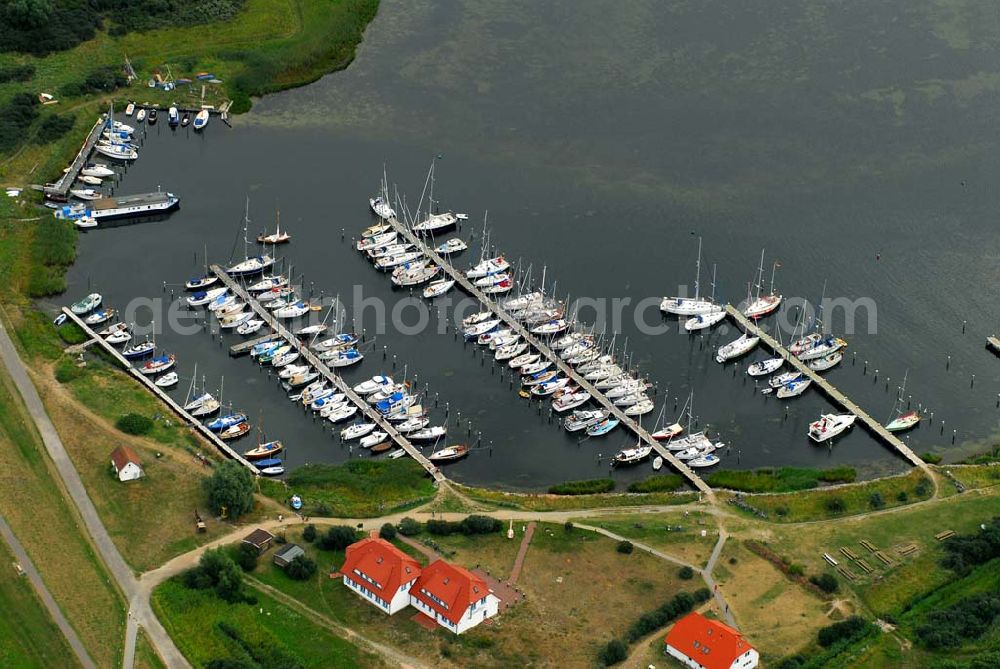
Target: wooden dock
pixel 839 398
pixel 244 347
pixel 321 367
pixel 61 187
pixel 222 446
pixel 543 348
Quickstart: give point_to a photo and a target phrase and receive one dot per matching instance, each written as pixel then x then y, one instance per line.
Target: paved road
pixel 139 610
pixel 43 593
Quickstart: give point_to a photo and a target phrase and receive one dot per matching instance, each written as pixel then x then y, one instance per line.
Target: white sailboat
pixel 736 348
pixel 690 306
pixel 762 305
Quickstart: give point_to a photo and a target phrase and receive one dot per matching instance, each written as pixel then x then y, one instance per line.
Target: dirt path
pixel 522 551
pixel 45 596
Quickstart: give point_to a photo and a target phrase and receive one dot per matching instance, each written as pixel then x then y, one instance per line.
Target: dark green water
pixel 602 137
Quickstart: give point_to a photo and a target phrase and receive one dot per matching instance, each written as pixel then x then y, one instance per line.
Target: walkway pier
pixel 549 354
pixel 61 187
pixel 873 426
pixel 225 448
pixel 310 357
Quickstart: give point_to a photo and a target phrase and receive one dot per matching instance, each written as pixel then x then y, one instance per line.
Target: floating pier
pixel 327 373
pixel 542 348
pixel 61 187
pixel 873 426
pixel 145 380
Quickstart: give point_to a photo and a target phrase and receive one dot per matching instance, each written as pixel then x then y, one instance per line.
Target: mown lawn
pixel 675 533
pixel 192 618
pixel 542 502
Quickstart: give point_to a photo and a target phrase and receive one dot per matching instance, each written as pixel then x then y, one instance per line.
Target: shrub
pixel 134 423
pixel 246 557
pixel 337 538
pixel 678 605
pixel 835 505
pixel 923 489
pixel 301 568
pixel 589 487
pixel 659 483
pixel 15 118
pixel 469 525
pixel 963 551
pixel 960 623
pixel 613 652
pixel 309 533
pixel 902 496
pixel 16 73
pixel 702 595
pixel 686 573
pixel 796 569
pixel 67 370
pixel 387 532
pixel 323 509
pixel 218 571
pixel 230 488
pixel 826 582
pixel 876 501
pixel 931 458
pixel 409 527
pixel 54 127
pixel 625 547
pixel 568 526
pixel 849 628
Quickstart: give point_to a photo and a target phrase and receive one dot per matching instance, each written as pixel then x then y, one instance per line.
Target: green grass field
pixel 28 637
pixel 540 502
pixel 192 619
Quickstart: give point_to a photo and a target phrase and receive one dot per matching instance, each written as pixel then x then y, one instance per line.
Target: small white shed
pixel 126 464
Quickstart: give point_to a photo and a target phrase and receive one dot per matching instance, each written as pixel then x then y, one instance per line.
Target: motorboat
pixel 705 320
pixel 524 359
pixel 830 425
pixel 793 388
pixel 449 453
pixel 487 267
pixel 428 433
pixel 140 350
pixel 140 115
pixel 157 365
pixel 344 413
pixel 373 384
pixel 129 109
pixel 438 287
pixel 602 427
pixel 200 282
pixel 736 348
pixel 356 431
pixel 826 362
pixel 97 170
pixel 168 380
pixel 222 422
pixel 582 419
pixel 453 245
pixel 633 455
pixel 200 120
pixel 783 379
pixel 708 460
pixel 87 304
pixel 381 208
pixel 250 326
pixel 570 401
pixel 765 367
pixel 173 117
pixel 99 316
pixel 372 439
pixel 265 450
pixel 435 223
pixel 206 296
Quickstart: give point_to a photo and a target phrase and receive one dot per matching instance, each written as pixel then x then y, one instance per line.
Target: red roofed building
pixel 454 597
pixel 380 573
pixel 701 643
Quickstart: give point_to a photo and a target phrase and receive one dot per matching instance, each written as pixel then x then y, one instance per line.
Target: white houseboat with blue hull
pixel 143 204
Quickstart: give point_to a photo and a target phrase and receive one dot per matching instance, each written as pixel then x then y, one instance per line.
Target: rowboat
pixel 87 304
pixel 383 447
pixel 449 453
pixel 267 450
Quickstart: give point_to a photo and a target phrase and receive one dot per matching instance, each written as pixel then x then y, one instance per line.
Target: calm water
pixel 854 142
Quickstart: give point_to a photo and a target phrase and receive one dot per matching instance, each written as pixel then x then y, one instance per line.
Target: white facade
pixel 400 599
pixel 129 472
pixel 477 612
pixel 747 660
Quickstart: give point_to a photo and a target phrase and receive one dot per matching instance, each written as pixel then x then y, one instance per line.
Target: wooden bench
pixel 869 545
pixel 941 536
pixel 906 549
pixel 864 566
pixel 848 553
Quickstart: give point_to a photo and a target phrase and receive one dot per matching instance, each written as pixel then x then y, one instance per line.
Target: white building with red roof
pixel 380 573
pixel 453 597
pixel 701 643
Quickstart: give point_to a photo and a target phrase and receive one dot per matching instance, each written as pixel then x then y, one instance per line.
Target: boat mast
pixel 713 283
pixel 697 273
pixel 760 273
pixel 774 268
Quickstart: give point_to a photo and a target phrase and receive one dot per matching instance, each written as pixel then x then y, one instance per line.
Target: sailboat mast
pixel 760 273
pixel 697 272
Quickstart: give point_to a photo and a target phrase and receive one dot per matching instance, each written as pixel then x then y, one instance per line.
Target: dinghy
pixel 85 222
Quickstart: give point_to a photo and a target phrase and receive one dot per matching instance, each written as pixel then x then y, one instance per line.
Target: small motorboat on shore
pixel 173 117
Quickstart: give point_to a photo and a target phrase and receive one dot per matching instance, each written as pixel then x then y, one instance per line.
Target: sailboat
pixel 902 421
pixel 380 203
pixel 249 266
pixel 693 306
pixel 762 305
pixel 668 432
pixel 434 223
pixel 277 237
pixel 203 281
pixel 734 349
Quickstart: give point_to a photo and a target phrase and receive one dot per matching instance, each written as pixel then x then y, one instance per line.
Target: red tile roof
pixel 710 643
pixel 458 588
pixel 123 455
pixel 383 563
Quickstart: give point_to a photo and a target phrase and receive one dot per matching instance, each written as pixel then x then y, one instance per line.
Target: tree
pixel 246 556
pixel 230 486
pixel 409 527
pixel 301 568
pixel 134 423
pixel 625 547
pixel 686 573
pixel 826 582
pixel 387 532
pixel 613 652
pixel 849 628
pixel 217 570
pixel 337 538
pixel 309 533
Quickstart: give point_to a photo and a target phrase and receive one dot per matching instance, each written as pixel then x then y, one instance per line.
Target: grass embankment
pixel 836 502
pixel 29 639
pixel 355 489
pixel 145 654
pixel 674 533
pixel 193 619
pixel 779 479
pixel 549 502
pixel 51 533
